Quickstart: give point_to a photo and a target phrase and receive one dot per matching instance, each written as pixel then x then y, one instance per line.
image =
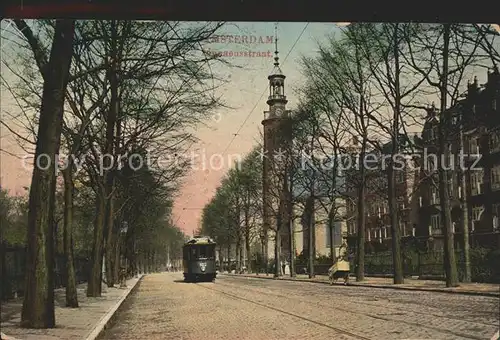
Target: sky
pixel 232 132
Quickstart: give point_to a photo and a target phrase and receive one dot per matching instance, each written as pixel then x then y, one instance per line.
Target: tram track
pixel 260 304
pixel 351 311
pixel 397 310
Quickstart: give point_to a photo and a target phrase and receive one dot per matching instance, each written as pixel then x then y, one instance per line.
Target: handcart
pixel 340 269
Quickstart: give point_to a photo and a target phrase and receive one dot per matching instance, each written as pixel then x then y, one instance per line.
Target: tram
pixel 199 259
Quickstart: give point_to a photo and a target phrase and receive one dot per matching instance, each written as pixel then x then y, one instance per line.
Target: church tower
pixel 277 139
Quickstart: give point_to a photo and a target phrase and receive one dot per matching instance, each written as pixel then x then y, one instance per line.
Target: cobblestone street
pixel 164 307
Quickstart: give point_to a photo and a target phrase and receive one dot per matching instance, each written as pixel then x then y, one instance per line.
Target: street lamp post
pixel 123 231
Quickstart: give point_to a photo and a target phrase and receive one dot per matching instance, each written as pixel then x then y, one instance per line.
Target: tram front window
pixel 206 252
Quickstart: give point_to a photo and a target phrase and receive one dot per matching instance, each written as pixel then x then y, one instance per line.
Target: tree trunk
pixel 395 234
pixel 71 292
pixel 111 238
pixel 221 259
pixel 143 263
pixel 465 214
pixel 360 251
pixel 265 255
pixel 229 257
pixel 248 263
pixel 95 277
pixel 277 262
pixel 393 194
pixel 289 214
pixel 38 304
pixel 242 256
pixel 291 229
pixel 331 227
pixel 116 264
pixel 238 254
pixel 312 249
pixel 247 250
pixel 111 122
pixel 148 263
pixel 450 265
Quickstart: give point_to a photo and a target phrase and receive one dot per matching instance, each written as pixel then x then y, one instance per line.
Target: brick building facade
pixel 475 123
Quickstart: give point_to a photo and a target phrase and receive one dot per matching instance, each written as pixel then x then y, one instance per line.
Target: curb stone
pixel 435 290
pixel 105 320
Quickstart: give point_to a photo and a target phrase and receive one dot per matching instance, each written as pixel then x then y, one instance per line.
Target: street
pixel 164 307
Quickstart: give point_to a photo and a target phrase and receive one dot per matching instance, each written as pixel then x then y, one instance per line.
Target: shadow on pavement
pixel 192 282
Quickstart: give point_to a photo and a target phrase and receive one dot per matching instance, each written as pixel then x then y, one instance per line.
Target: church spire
pixel 276 53
pixel 276 69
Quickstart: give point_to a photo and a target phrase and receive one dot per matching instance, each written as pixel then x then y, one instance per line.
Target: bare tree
pixel 339 72
pixel 444 55
pixel 38 304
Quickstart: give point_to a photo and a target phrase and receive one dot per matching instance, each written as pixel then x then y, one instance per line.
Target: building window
pixel 495 211
pixel 494 141
pixel 473 147
pixel 495 177
pixel 402 228
pixel 436 221
pixel 434 195
pixel 476 213
pixel 450 188
pixel 476 182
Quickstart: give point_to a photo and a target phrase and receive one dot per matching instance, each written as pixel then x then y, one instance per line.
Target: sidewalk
pixel 482 289
pixel 85 322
